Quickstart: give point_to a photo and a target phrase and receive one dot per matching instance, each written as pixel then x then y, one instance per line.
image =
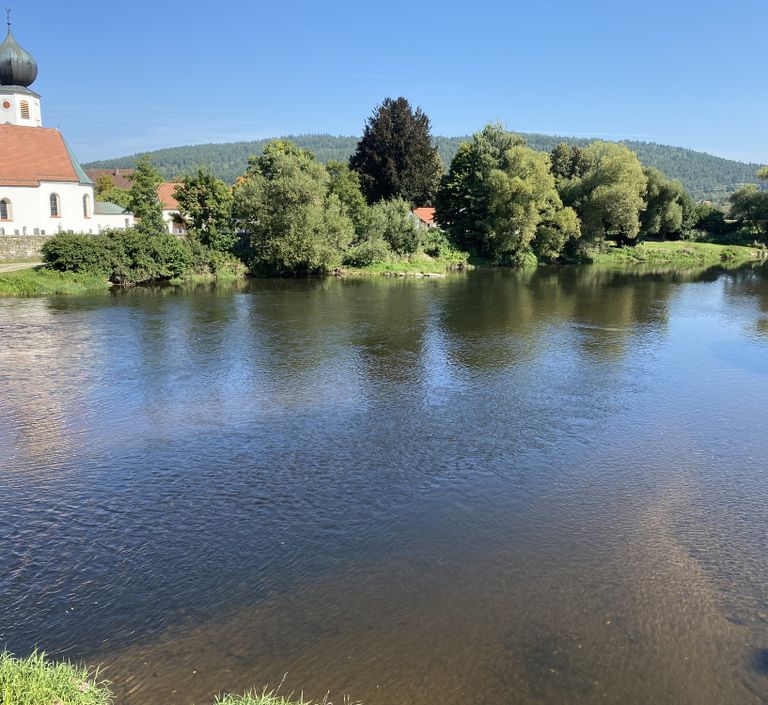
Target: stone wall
pixel 20 247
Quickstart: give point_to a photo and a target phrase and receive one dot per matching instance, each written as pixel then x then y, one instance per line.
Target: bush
pixel 131 257
pixel 33 681
pixel 393 222
pixel 367 253
pixel 68 252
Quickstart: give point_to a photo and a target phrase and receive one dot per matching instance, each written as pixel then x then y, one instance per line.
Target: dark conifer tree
pixel 396 157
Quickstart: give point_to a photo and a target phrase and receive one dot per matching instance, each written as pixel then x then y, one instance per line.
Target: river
pixel 535 487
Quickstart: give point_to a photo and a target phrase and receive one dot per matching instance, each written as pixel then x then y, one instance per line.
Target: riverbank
pixel 36 681
pixel 679 254
pixel 46 282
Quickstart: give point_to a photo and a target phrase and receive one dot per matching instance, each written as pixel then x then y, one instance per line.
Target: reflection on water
pixel 532 487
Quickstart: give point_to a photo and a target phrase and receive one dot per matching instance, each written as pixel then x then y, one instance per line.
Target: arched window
pixel 6 212
pixel 86 206
pixel 55 210
pixel 24 107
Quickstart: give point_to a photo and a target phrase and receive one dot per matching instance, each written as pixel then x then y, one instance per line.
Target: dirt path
pixel 15 266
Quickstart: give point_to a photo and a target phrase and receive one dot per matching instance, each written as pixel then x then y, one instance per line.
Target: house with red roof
pixel 425 217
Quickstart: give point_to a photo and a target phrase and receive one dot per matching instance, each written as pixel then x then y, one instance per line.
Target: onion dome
pixel 17 67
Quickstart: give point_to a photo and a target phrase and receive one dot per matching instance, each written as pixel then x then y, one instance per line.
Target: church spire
pixel 17 67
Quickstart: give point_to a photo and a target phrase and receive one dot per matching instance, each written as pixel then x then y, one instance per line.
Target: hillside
pixel 704 175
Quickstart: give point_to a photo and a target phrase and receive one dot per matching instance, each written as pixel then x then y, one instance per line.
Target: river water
pixel 501 487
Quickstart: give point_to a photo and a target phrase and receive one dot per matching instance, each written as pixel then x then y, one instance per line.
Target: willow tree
pixel 609 195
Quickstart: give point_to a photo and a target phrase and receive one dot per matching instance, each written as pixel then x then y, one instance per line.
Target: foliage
pixel 143 201
pixel 675 254
pixel 46 282
pixel 435 243
pixel 69 252
pixel 703 175
pixel 395 156
pixel 368 252
pixel 345 185
pixel 34 681
pixel 105 190
pixel 749 206
pixel 393 222
pixel 499 200
pixel 206 204
pixel 762 174
pixel 295 225
pixel 609 195
pixel 263 698
pixel 133 257
pixel 664 201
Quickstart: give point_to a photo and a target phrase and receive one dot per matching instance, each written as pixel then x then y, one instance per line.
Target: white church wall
pixel 31 210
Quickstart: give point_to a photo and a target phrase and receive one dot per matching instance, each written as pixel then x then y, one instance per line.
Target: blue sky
pixel 117 78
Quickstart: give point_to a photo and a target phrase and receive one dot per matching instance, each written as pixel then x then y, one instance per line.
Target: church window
pixel 24 107
pixel 55 210
pixel 86 206
pixel 5 209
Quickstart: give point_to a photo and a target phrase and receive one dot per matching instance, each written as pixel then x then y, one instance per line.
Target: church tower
pixel 18 71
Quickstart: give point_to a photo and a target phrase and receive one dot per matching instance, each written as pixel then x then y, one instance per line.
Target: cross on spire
pixel 8 16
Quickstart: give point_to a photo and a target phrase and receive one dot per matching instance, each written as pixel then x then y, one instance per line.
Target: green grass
pixel 678 254
pixel 42 282
pixel 35 681
pixel 414 266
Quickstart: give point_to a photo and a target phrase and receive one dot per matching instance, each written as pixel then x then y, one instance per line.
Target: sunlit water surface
pixel 503 487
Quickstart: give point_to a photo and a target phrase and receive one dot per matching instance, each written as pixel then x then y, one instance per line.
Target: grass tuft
pixel 34 681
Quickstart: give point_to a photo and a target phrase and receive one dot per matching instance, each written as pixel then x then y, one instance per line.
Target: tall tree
pixel 609 195
pixel 396 157
pixel 749 205
pixel 143 200
pixel 345 184
pixel 500 200
pixel 206 203
pixel 763 173
pixel 294 224
pixel 664 200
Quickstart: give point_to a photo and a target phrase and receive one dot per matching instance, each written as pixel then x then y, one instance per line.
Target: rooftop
pixel 35 154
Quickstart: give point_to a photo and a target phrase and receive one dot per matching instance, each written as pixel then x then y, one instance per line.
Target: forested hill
pixel 704 175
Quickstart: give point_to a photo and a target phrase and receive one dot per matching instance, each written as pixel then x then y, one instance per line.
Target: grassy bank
pixel 678 254
pixel 415 266
pixel 41 282
pixel 36 681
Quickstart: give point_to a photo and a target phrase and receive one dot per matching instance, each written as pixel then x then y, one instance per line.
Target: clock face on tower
pixel 6 105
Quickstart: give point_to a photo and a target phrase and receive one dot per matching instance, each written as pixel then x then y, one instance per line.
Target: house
pixel 425 217
pixel 43 188
pixel 166 194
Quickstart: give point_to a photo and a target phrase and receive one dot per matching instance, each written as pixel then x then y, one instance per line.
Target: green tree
pixel 393 222
pixel 499 199
pixel 345 184
pixel 609 195
pixel 206 203
pixel 295 225
pixel 143 201
pixel 663 214
pixel 463 202
pixel 105 190
pixel 763 173
pixel 395 156
pixel 749 206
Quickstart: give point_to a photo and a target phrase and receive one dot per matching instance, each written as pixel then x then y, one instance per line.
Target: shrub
pixel 368 252
pixel 393 222
pixel 139 258
pixel 68 252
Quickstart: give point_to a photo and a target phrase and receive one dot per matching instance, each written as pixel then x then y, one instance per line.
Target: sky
pixel 118 78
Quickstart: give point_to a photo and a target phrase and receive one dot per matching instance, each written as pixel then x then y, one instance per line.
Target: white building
pixel 43 189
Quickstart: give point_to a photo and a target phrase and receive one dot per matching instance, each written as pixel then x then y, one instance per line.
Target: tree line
pixel 499 199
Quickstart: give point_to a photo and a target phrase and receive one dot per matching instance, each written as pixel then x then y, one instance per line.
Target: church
pixel 43 188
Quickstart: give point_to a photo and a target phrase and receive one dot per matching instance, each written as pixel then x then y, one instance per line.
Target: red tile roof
pixel 29 155
pixel 166 192
pixel 119 177
pixel 425 215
